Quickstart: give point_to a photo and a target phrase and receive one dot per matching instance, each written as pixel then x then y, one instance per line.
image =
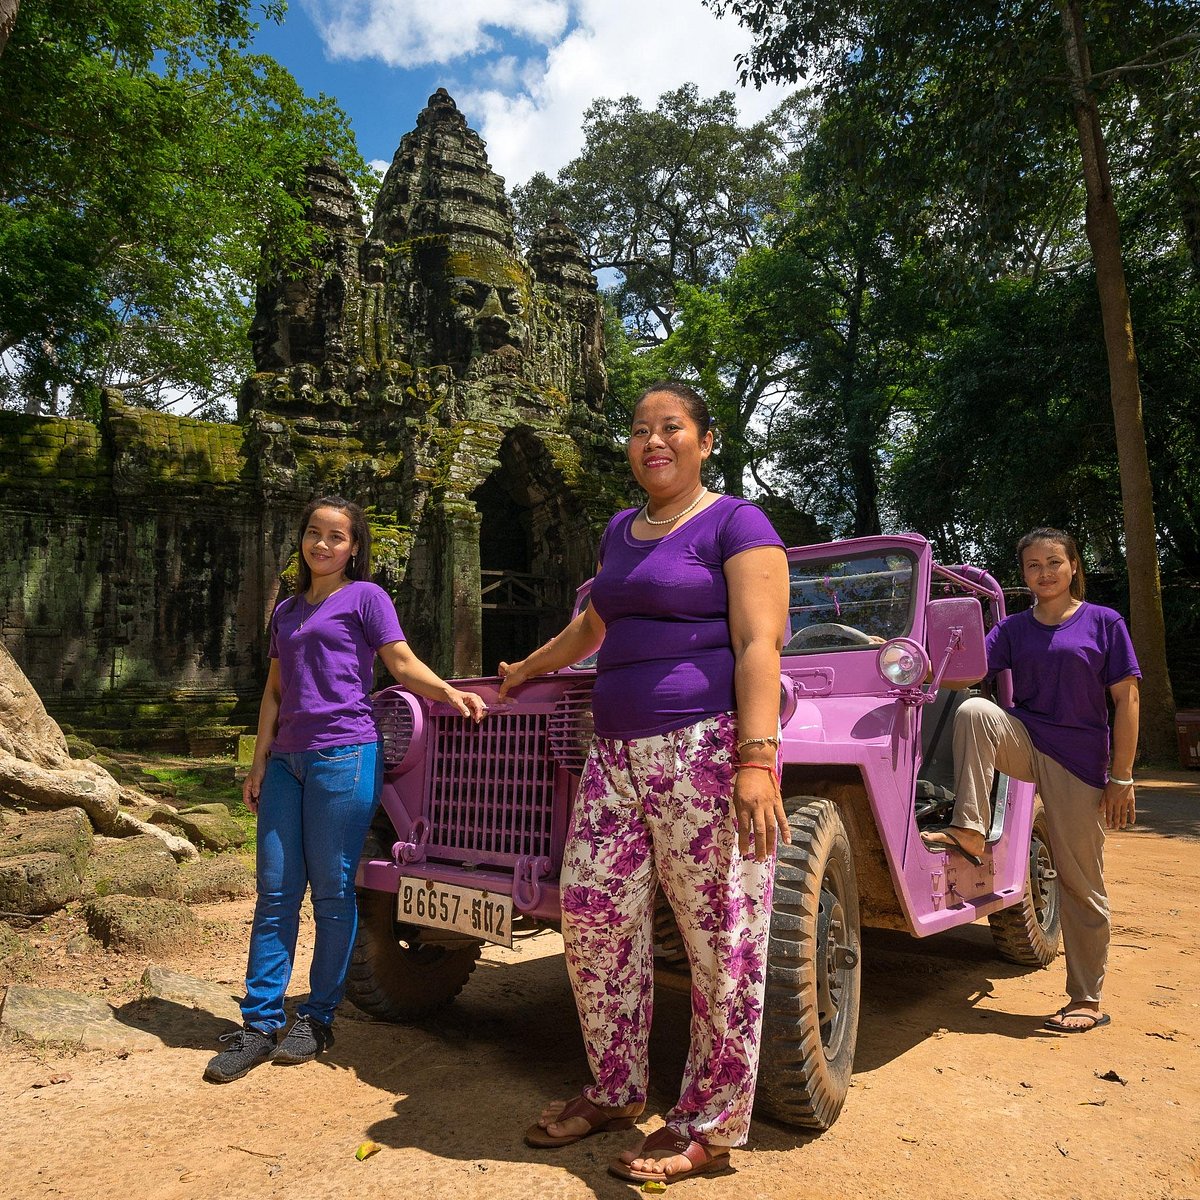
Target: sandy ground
pixel 957 1090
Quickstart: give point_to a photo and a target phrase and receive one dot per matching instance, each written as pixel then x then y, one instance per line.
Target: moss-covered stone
pixel 136 866
pixel 37 883
pixel 141 925
pixel 209 830
pixel 65 831
pixel 219 877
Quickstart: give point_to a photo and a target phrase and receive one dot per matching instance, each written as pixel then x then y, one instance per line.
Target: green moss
pixel 51 452
pixel 178 450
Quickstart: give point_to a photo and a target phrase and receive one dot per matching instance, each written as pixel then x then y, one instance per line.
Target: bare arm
pixel 581 638
pixel 406 668
pixel 268 726
pixel 758 600
pixel 1119 802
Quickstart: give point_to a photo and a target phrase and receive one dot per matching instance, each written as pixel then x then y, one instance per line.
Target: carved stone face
pixel 489 296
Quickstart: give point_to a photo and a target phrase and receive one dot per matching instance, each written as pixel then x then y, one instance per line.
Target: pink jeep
pixel 882 645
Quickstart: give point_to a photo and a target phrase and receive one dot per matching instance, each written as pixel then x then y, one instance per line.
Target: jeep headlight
pixel 903 662
pixel 401 722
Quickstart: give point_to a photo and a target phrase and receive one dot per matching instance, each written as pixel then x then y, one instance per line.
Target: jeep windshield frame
pixel 855 601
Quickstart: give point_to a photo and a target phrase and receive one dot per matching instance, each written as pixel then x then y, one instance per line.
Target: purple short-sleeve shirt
pixel 667 657
pixel 327 666
pixel 1061 675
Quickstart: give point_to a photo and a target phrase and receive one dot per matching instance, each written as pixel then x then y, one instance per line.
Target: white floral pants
pixel 651 810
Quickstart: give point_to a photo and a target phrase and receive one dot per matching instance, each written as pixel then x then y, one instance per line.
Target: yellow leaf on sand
pixel 366 1150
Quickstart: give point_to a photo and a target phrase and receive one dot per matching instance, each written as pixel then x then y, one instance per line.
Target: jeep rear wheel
pixel 397 972
pixel 810 1022
pixel 1029 933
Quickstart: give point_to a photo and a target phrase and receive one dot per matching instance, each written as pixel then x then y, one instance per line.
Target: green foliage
pixel 145 154
pixel 661 197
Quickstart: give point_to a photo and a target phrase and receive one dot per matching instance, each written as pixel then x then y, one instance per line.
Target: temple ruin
pixel 424 365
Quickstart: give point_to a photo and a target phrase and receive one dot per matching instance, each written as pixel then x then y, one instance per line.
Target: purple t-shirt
pixel 1061 675
pixel 667 659
pixel 327 668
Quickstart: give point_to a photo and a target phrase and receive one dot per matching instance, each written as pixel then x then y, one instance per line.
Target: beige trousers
pixel 986 738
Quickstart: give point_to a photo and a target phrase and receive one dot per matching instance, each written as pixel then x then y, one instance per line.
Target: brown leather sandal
pixel 600 1120
pixel 666 1143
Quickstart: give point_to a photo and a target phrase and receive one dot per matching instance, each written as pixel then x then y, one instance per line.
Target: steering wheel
pixel 831 634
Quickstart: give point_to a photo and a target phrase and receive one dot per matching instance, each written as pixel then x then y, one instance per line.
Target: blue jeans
pixel 314 811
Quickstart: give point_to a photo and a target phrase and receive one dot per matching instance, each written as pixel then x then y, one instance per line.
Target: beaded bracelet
pixel 763 741
pixel 757 767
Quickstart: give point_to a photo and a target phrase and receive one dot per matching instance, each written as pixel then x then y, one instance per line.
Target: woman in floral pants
pixel 680 789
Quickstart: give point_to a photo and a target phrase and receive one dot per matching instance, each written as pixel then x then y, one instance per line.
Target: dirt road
pixel 957 1090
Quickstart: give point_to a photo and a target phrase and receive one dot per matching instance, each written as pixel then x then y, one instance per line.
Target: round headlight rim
pixel 919 669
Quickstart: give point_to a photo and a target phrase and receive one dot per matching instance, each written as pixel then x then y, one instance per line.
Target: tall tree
pixel 927 62
pixel 8 18
pixel 661 197
pixel 144 153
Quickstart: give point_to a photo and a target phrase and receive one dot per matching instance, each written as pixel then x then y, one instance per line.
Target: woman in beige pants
pixel 1067 657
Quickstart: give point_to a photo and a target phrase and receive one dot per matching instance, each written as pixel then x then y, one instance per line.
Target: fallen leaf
pixel 366 1149
pixel 41 1083
pixel 1026 1085
pixel 1061 1151
pixel 1166 1037
pixel 652 1186
pixel 1111 1077
pixel 1097 1103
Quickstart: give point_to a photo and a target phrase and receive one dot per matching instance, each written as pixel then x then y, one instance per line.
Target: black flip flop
pixel 1095 1021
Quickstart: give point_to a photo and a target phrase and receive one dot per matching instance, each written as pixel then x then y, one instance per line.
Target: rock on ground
pixel 143 925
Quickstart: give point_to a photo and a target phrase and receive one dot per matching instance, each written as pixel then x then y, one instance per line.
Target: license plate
pixel 481 914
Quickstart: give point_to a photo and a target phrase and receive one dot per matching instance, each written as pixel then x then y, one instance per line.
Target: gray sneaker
pixel 305 1040
pixel 247 1048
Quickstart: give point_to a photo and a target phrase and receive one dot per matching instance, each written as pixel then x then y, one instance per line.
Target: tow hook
pixel 844 959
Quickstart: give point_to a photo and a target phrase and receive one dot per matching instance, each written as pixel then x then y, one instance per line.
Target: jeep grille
pixel 491 787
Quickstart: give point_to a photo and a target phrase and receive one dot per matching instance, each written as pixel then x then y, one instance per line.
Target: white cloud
pixel 413 33
pixel 529 105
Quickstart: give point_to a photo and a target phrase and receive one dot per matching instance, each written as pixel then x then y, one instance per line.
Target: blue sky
pixel 522 71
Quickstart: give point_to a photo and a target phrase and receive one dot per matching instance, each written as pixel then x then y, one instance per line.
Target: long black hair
pixel 359 566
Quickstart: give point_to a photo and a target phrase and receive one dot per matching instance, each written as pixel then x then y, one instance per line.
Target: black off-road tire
pixel 810 1023
pixel 394 974
pixel 1030 933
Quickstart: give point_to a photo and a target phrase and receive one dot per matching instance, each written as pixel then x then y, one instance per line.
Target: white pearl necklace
pixel 671 520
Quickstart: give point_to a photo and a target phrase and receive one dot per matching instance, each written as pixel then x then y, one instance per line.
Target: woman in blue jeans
pixel 315 779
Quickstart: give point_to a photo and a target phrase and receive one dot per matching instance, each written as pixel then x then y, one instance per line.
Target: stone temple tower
pixel 428 367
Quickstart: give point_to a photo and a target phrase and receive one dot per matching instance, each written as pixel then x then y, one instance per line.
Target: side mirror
pixel 954 636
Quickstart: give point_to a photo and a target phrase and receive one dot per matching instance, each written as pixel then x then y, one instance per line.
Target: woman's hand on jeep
pixel 512 675
pixel 467 703
pixel 758 812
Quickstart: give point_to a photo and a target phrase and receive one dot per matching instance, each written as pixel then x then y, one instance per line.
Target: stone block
pixel 52 1015
pixel 141 925
pixel 136 866
pixel 38 883
pixel 65 831
pixel 221 877
pixel 212 831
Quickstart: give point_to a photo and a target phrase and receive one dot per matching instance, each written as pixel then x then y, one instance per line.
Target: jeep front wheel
pixel 398 972
pixel 1029 933
pixel 810 1021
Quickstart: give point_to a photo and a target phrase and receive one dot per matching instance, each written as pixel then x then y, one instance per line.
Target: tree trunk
pixel 36 767
pixel 8 18
pixel 858 421
pixel 1141 549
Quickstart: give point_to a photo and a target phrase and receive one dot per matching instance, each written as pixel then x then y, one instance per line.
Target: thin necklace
pixel 671 520
pixel 312 612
